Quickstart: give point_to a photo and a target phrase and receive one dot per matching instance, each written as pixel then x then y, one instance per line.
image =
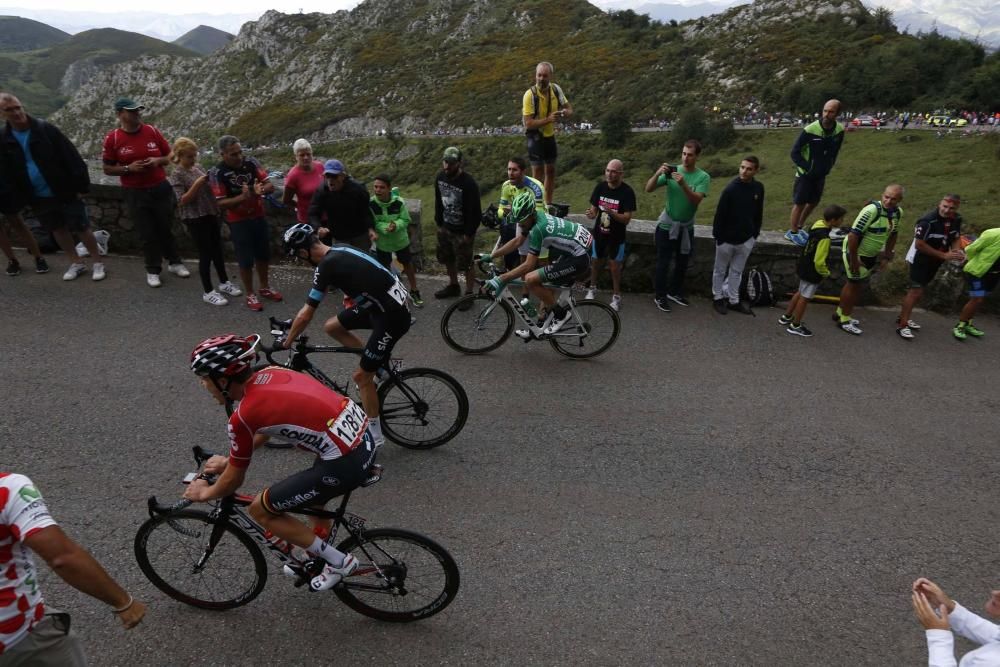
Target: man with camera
pixel 542 105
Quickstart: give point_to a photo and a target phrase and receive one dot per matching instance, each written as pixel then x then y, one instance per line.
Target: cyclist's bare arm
pixel 299 324
pixel 509 246
pixel 230 480
pixel 217 464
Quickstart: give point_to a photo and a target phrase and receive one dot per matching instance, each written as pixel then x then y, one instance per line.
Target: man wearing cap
pixel 541 106
pixel 457 212
pixel 935 241
pixel 137 152
pixel 340 209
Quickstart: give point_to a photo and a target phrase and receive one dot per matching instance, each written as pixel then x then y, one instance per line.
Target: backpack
pixel 755 288
pixel 534 106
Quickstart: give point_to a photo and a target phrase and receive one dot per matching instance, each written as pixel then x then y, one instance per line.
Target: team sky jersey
pixel 508 191
pixel 559 236
pixel 228 182
pixel 294 407
pixel 22 513
pixel 874 224
pixel 359 276
pixel 937 232
pixel 121 147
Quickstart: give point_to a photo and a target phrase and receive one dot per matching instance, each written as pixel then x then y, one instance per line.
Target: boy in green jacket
pixel 391 223
pixel 982 274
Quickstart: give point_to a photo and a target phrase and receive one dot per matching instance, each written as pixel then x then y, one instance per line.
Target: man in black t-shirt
pixel 935 241
pixel 457 212
pixel 611 206
pixel 339 210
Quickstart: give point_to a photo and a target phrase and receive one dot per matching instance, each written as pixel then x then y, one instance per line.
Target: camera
pixel 489 219
pixel 669 170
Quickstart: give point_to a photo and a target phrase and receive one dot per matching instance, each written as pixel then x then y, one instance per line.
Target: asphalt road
pixel 710 491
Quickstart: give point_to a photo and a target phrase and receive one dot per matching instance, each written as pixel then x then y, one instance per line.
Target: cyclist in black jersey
pixel 375 299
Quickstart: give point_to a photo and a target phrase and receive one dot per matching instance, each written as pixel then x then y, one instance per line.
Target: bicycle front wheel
pixel 402 576
pixel 593 328
pixel 483 326
pixel 422 408
pixel 176 554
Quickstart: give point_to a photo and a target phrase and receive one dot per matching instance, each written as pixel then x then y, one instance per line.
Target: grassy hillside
pixel 20 34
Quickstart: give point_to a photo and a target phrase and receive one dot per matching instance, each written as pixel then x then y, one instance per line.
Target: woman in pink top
pixel 303 179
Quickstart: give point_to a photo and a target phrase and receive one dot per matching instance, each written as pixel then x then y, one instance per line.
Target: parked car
pixel 784 121
pixel 939 121
pixel 865 121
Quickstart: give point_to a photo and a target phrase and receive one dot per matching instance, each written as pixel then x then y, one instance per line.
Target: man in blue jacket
pixel 814 154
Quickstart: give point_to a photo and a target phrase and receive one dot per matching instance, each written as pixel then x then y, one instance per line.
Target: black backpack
pixel 755 288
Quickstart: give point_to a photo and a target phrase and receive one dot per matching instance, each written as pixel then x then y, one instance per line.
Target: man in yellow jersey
pixel 542 105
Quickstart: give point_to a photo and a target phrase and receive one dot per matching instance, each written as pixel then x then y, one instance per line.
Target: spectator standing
pixel 303 180
pixel 935 241
pixel 457 212
pixel 239 185
pixel 940 615
pixel 341 209
pixel 812 269
pixel 541 106
pixel 517 182
pixel 612 204
pixel 738 219
pixel 137 152
pixel 982 275
pixel 814 154
pixel 43 168
pixel 687 186
pixel 871 241
pixel 197 208
pixel 392 224
pixel 30 632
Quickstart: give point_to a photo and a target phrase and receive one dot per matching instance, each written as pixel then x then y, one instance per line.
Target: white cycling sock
pixel 327 553
pixel 375 426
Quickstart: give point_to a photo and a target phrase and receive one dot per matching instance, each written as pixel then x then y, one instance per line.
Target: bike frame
pixel 565 297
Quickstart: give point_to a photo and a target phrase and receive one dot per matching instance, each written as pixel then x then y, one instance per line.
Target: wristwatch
pixel 126 169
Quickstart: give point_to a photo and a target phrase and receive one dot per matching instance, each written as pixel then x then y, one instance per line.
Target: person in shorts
pixel 812 269
pixel 935 241
pixel 457 214
pixel 612 204
pixel 541 106
pixel 392 224
pixel 982 274
pixel 814 154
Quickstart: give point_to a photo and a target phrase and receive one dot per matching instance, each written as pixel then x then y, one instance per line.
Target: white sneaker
pixel 74 271
pixel 81 250
pixel 616 302
pixel 153 279
pixel 178 270
pixel 97 272
pixel 214 298
pixel 591 293
pixel 230 289
pixel 102 238
pixel 331 576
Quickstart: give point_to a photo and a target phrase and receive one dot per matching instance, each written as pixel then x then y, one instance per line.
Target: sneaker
pixel 959 331
pixel 14 269
pixel 616 302
pixel 591 294
pixel 851 328
pixel 836 318
pixel 465 305
pixel 720 306
pixel 784 320
pixel 557 323
pixel 799 330
pixel 81 250
pixel 913 325
pixel 102 237
pixel 448 291
pixel 416 299
pixel 331 576
pixel 272 294
pixel 905 333
pixel 74 271
pixel 153 279
pixel 41 266
pixel 523 333
pixel 214 298
pixel 230 289
pixel 253 303
pixel 679 300
pixel 178 270
pixel 97 272
pixel 741 307
pixel 662 304
pixel 802 238
pixel 973 331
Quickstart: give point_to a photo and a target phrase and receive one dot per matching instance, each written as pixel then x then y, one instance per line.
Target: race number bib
pixel 582 236
pixel 398 292
pixel 351 423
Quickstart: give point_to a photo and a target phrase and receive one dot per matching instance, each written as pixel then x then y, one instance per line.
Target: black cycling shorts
pixel 542 150
pixel 387 328
pixel 566 270
pixel 922 271
pixel 807 190
pixel 323 481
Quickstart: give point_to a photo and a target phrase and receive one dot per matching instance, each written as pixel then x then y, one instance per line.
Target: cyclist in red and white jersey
pixel 276 401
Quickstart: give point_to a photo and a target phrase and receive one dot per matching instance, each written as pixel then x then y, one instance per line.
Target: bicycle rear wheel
pixel 592 330
pixel 422 408
pixel 402 576
pixel 175 555
pixel 483 327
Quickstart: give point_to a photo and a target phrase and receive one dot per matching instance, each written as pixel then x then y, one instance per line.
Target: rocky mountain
pixel 166 27
pixel 204 39
pixel 20 34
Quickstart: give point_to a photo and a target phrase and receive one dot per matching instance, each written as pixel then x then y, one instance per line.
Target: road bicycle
pixel 479 323
pixel 214 559
pixel 420 408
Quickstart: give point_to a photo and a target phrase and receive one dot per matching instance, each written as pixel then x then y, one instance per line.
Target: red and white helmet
pixel 224 356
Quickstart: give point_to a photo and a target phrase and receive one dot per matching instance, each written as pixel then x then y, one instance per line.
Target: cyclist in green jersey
pixel 569 247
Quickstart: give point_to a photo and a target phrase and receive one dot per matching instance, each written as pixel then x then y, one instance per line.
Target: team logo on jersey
pixel 331 481
pixel 29 493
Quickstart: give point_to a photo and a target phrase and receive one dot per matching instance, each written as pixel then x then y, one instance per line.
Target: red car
pixel 865 121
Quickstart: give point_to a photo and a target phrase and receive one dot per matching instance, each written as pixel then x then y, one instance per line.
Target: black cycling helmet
pixel 224 356
pixel 299 236
pixel 522 206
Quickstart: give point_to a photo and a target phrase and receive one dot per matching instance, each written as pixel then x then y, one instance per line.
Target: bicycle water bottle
pixel 529 307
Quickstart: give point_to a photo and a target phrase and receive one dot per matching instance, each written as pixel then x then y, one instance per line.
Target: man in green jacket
pixel 392 222
pixel 982 274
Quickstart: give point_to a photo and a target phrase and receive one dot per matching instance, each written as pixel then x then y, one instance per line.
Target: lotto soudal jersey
pixel 358 275
pixel 294 408
pixel 22 513
pixel 559 236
